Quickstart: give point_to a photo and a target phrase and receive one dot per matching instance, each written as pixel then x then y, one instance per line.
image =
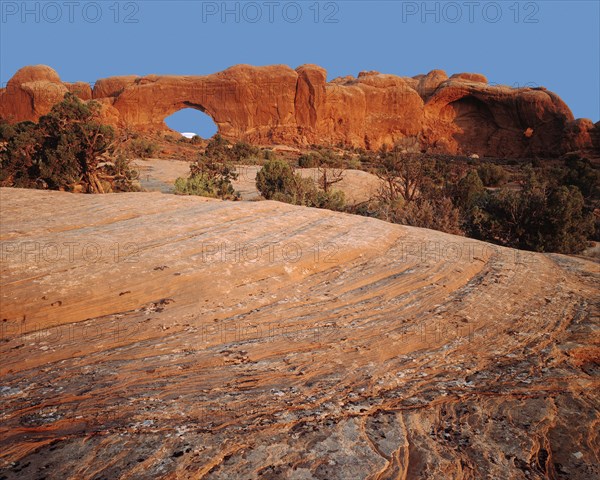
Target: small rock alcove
pixel 475 122
pixel 190 120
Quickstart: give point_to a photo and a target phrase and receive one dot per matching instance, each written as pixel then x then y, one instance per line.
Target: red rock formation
pixel 30 93
pixel 81 89
pixel 113 86
pixel 275 104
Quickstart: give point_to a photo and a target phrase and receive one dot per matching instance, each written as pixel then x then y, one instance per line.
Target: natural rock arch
pixel 277 104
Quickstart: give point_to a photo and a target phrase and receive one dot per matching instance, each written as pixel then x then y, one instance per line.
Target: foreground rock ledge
pixel 276 104
pixel 156 336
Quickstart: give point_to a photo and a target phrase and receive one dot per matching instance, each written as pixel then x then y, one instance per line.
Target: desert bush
pixel 408 145
pixel 219 148
pixel 330 169
pixel 535 218
pixel 492 175
pixel 308 160
pixel 436 212
pixel 20 157
pixel 439 214
pixel 142 148
pixel 331 200
pixel 566 226
pixel 125 178
pixel 67 149
pixel 596 235
pixel 7 130
pixel 580 172
pixel 413 193
pixel 242 151
pixel 214 167
pixel 205 186
pixel 278 181
pixel 212 174
pixel 550 211
pixel 276 177
pixel 195 185
pixel 353 163
pixel 403 175
pixel 469 191
pixel 269 154
pixel 330 166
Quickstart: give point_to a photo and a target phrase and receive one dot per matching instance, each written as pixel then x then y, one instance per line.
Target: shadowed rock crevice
pixel 474 121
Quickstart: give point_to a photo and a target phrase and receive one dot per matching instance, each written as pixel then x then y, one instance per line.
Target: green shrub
pixel 332 200
pixel 68 149
pixel 275 177
pixel 20 158
pixel 566 227
pixel 551 211
pixel 212 174
pixel 125 178
pixel 205 186
pixel 581 173
pixel 7 131
pixel 536 218
pixel 469 191
pixel 492 175
pixel 142 148
pixel 217 147
pixel 353 163
pixel 278 181
pixel 439 214
pixel 242 151
pixel 308 160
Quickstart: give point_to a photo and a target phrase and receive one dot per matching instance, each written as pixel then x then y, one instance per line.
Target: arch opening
pixel 192 121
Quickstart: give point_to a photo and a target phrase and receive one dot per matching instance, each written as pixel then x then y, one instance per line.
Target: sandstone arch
pixel 277 104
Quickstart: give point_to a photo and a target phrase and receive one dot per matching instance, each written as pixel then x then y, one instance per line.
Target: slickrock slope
pixel 160 175
pixel 277 104
pixel 155 336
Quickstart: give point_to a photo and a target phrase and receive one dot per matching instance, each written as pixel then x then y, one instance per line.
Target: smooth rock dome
pixel 34 73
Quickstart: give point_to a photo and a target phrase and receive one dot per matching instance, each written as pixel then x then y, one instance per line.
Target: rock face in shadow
pixel 279 105
pixel 157 336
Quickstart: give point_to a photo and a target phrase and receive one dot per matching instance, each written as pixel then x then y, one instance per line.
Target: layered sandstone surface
pixel 154 336
pixel 277 104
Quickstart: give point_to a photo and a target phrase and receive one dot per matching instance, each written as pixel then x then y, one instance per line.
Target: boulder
pixel 470 77
pixel 34 73
pixel 429 83
pixel 113 86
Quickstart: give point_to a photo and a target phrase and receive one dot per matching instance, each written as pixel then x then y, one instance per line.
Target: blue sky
pixel 551 43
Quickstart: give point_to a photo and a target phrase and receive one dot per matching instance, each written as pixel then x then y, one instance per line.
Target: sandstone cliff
pixel 276 104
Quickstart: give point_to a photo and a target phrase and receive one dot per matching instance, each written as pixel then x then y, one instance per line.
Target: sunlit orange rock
pixel 275 104
pixel 153 336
